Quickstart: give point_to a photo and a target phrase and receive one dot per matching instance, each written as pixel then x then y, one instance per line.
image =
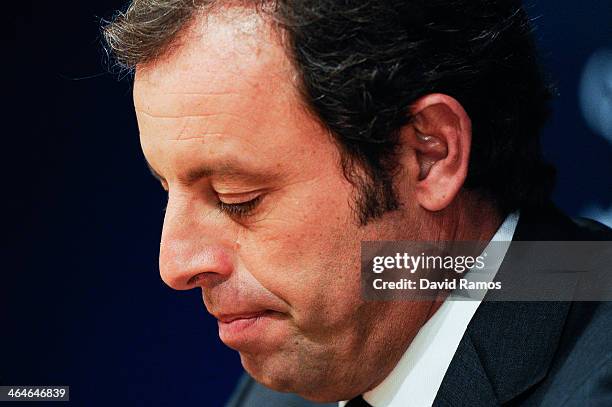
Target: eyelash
pixel 240 210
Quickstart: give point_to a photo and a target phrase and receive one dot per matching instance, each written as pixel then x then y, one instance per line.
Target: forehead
pixel 231 51
pixel 225 88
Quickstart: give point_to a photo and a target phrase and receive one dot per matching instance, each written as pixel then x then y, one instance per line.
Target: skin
pixel 221 120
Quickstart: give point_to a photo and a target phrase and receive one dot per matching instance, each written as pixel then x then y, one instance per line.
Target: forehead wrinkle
pixel 177 116
pixel 200 128
pixel 197 125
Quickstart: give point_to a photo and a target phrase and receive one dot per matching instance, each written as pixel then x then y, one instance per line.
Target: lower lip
pixel 243 330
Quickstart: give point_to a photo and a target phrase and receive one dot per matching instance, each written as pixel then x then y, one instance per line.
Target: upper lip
pixel 229 317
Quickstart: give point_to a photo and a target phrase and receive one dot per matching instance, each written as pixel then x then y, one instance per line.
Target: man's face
pixel 259 215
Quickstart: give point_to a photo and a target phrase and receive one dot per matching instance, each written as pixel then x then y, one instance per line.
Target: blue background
pixel 81 302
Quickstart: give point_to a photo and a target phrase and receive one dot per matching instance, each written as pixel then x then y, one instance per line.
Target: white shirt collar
pixel 417 377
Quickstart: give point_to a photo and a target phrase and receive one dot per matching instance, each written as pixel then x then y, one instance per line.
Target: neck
pixel 469 217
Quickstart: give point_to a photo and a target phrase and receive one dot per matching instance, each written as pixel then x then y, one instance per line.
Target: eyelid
pixel 242 209
pixel 237 198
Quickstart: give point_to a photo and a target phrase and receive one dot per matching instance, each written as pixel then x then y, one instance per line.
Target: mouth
pixel 229 318
pixel 237 330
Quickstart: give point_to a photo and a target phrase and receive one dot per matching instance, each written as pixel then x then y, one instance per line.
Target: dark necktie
pixel 357 402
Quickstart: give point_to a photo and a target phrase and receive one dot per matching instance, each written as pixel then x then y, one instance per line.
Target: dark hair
pixel 364 63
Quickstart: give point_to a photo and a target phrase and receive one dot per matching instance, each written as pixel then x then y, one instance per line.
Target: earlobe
pixel 440 137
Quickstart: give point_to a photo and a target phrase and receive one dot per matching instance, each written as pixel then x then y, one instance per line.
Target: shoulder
pixel 590 229
pixel 549 223
pixel 582 369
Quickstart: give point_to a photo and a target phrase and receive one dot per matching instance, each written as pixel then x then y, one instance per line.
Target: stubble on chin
pixel 328 369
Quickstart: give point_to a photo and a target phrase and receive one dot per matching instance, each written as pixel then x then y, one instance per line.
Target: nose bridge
pixel 192 244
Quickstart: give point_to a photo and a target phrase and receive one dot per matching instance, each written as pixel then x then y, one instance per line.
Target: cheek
pixel 309 256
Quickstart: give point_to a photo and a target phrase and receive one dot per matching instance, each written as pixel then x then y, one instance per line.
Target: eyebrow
pixel 228 168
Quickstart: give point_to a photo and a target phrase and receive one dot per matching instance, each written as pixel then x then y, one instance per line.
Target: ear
pixel 440 135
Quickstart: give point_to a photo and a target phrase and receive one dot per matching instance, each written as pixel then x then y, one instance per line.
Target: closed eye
pixel 240 209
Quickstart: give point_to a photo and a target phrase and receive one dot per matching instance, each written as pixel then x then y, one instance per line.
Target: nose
pixel 192 250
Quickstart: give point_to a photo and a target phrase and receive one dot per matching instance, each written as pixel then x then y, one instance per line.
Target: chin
pixel 273 371
pixel 284 373
pixel 278 372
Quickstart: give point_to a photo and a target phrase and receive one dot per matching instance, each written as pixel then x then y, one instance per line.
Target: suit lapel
pixel 508 346
pixel 466 382
pixel 516 342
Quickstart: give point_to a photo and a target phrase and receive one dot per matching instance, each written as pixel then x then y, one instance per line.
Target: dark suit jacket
pixel 517 353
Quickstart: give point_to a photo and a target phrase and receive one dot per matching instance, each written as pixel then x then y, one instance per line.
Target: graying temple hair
pixel 146 29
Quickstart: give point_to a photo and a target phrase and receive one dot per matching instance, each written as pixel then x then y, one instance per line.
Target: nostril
pixel 206 280
pixel 195 279
pixel 186 264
